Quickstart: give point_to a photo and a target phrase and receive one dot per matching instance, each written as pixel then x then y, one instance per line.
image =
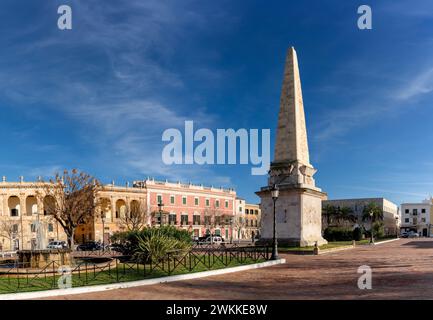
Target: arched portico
pixel 14 206
pixel 31 205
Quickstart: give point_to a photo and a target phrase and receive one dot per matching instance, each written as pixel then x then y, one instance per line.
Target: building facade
pixel 247 220
pixel 23 218
pixel 199 209
pixel 253 216
pixel 417 217
pixel 391 216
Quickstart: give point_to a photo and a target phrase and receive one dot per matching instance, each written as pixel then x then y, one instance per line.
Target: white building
pixel 391 219
pixel 417 217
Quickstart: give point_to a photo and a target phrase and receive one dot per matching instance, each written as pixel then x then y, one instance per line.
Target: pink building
pixel 199 209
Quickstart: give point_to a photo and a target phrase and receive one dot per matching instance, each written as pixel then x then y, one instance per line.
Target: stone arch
pixel 105 208
pixel 134 206
pixel 31 205
pixel 49 204
pixel 120 208
pixel 14 206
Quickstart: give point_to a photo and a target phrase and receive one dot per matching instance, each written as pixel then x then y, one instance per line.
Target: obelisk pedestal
pixel 299 205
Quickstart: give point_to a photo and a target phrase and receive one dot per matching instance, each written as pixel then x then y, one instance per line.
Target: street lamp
pixel 103 230
pixel 396 227
pixel 371 227
pixel 160 206
pixel 274 194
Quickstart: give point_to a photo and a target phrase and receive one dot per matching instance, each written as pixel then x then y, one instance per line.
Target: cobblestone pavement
pixel 402 269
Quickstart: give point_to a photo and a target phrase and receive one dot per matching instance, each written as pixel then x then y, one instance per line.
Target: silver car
pixel 57 245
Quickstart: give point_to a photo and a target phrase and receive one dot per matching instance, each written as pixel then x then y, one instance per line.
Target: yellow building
pixel 21 211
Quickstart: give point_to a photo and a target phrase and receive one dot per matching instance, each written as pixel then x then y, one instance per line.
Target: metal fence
pixel 93 268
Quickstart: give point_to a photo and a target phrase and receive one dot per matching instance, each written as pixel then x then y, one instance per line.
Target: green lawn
pixel 123 273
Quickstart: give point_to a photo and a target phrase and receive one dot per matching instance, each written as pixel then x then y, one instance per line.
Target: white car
pixel 413 235
pixel 214 240
pixel 57 245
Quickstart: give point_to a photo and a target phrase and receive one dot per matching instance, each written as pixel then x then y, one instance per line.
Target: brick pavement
pixel 401 270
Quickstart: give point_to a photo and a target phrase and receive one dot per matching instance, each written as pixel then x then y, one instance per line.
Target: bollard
pixel 316 249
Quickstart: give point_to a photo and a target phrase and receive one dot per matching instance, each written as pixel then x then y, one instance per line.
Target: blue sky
pixel 98 97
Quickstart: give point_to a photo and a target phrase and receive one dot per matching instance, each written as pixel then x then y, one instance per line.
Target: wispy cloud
pixel 124 88
pixel 420 84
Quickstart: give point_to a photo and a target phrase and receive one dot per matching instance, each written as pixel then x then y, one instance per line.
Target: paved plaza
pixel 402 269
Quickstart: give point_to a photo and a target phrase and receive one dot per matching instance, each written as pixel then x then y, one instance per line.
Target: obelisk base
pixel 298 215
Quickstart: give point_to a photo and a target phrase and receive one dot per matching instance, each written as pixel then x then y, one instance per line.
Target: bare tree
pixel 73 200
pixel 135 217
pixel 9 230
pixel 239 224
pixel 213 217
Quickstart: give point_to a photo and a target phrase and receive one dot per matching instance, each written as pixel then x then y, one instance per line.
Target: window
pixel 184 219
pixel 256 212
pixel 218 221
pixel 184 201
pixel 255 223
pixel 207 220
pixel 15 228
pixel 406 220
pixel 196 201
pixel 422 210
pixel 415 212
pixel 50 227
pixel 217 203
pixel 207 203
pixel 227 203
pixel 422 219
pixel 406 211
pixel 172 219
pixel 196 219
pixel 247 211
pixel 14 212
pixel 159 198
pixel 246 222
pixel 240 209
pixel 33 227
pixel 172 199
pixel 414 220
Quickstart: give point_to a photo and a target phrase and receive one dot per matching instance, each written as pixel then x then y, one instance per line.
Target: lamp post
pixel 371 227
pixel 274 194
pixel 160 206
pixel 103 230
pixel 396 227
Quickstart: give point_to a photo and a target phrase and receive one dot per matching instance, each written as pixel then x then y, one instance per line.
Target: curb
pixel 131 284
pixel 342 248
pixel 386 241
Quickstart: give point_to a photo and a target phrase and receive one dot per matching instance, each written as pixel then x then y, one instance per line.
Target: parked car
pixel 57 245
pixel 89 246
pixel 404 234
pixel 213 240
pixel 413 235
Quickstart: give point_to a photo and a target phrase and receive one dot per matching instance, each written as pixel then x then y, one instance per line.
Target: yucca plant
pixel 155 243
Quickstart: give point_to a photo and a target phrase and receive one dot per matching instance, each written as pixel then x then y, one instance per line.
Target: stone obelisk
pixel 299 205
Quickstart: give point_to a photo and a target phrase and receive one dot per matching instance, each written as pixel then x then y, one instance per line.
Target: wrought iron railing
pixel 99 267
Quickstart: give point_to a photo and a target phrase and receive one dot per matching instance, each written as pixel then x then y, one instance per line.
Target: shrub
pixel 154 242
pixel 338 234
pixel 357 234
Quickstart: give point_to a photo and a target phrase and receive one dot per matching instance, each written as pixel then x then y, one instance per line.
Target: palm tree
pixel 329 213
pixel 372 212
pixel 346 214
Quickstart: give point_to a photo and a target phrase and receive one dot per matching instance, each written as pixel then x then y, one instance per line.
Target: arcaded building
pixel 21 211
pixel 199 209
